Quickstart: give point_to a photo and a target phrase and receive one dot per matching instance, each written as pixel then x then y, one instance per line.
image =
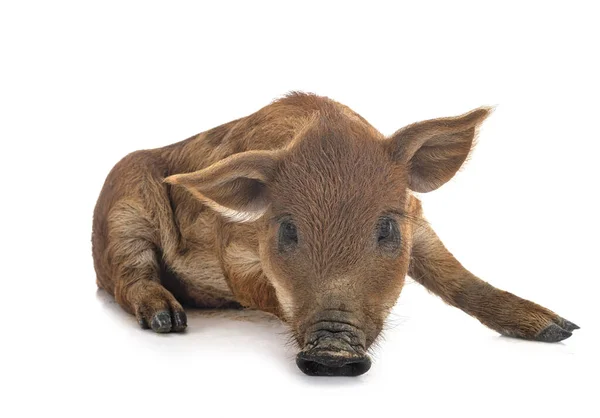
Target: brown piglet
pixel 302 210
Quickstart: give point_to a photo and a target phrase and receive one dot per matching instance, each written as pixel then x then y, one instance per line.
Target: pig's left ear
pixel 236 187
pixel 435 149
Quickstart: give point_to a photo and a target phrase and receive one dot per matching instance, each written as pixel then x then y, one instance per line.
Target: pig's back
pixel 272 127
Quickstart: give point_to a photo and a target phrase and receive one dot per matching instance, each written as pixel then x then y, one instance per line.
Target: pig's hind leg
pixel 435 267
pixel 134 256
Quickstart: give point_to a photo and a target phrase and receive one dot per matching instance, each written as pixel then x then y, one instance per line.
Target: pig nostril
pixel 332 365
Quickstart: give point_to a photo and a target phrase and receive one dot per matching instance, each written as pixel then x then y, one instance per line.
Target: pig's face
pixel 335 219
pixel 336 244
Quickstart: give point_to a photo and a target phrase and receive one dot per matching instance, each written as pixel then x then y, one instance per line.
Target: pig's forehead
pixel 339 166
pixel 339 160
pixel 323 190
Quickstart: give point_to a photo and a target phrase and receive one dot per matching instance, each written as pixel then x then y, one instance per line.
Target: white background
pixel 83 84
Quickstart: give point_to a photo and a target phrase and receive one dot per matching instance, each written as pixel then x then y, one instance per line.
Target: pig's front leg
pixel 435 267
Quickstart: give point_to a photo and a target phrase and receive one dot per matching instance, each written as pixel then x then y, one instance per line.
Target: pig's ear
pixel 237 186
pixel 434 150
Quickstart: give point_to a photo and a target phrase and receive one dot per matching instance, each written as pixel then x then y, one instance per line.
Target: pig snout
pixel 334 349
pixel 332 363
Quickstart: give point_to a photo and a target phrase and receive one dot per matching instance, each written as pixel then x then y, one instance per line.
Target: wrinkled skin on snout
pixel 302 210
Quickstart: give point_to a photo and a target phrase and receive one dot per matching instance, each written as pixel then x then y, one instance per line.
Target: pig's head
pixel 334 216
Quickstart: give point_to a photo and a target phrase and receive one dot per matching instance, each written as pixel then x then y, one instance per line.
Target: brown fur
pixel 163 231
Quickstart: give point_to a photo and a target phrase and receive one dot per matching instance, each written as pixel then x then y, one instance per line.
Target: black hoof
pixel 568 325
pixel 161 322
pixel 179 321
pixel 552 334
pixel 143 323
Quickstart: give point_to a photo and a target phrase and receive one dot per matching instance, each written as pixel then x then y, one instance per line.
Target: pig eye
pixel 388 233
pixel 288 235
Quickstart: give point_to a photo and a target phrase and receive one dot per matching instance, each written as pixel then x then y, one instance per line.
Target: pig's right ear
pixel 236 187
